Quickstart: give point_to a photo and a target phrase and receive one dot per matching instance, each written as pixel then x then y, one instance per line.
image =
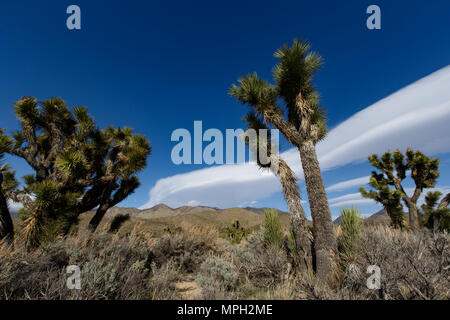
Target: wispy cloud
pixel 416 116
pixel 357 199
pixel 358 182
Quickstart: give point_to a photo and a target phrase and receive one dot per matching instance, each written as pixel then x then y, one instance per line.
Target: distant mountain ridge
pixel 376 218
pixel 162 211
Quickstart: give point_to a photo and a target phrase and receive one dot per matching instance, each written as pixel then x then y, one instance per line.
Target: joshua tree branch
pixel 287 129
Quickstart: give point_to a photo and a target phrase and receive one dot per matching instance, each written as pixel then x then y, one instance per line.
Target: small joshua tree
pixel 394 167
pixel 236 232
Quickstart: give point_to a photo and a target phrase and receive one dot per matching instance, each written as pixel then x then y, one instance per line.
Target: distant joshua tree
pixel 304 126
pixel 78 167
pixel 394 167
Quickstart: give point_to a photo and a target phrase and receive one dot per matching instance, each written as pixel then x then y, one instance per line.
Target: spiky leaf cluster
pixel 389 198
pixel 293 77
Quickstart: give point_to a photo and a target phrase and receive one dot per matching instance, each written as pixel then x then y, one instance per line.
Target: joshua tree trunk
pixel 298 218
pixel 99 214
pixel 324 240
pixel 6 223
pixel 413 215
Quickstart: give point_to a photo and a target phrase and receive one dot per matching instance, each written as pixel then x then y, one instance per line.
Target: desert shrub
pixel 186 250
pixel 262 263
pixel 118 221
pixel 413 266
pixel 162 283
pixel 218 278
pixel 352 228
pixel 111 268
pixel 273 233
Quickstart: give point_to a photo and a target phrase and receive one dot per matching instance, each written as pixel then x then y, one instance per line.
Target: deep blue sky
pixel 160 65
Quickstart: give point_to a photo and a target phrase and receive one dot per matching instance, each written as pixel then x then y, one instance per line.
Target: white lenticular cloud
pixel 416 116
pixel 358 182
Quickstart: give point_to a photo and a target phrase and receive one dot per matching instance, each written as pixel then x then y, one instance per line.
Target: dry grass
pixel 139 264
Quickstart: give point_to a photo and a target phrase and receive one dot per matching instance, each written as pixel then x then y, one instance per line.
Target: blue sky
pixel 157 66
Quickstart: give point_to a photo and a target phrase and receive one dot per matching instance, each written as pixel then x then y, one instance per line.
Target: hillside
pixel 160 217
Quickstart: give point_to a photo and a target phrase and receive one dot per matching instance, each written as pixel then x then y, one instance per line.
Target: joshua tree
pixel 304 126
pixel 436 216
pixel 390 199
pixel 77 166
pixel 266 159
pixel 394 167
pixel 126 155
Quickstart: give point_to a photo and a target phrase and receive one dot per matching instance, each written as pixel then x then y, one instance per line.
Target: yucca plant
pixel 350 240
pixel 273 232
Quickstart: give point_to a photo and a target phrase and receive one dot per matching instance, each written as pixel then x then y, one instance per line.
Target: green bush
pixel 352 227
pixel 273 233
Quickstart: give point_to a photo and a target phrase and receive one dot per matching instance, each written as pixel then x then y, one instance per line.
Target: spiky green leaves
pixel 424 170
pixel 294 72
pixel 27 110
pixel 9 181
pixel 350 241
pixel 72 164
pixel 273 232
pixel 5 143
pixel 255 92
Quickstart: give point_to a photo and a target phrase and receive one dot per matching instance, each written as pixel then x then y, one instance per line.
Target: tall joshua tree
pixel 77 166
pixel 266 159
pixel 303 126
pixel 394 167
